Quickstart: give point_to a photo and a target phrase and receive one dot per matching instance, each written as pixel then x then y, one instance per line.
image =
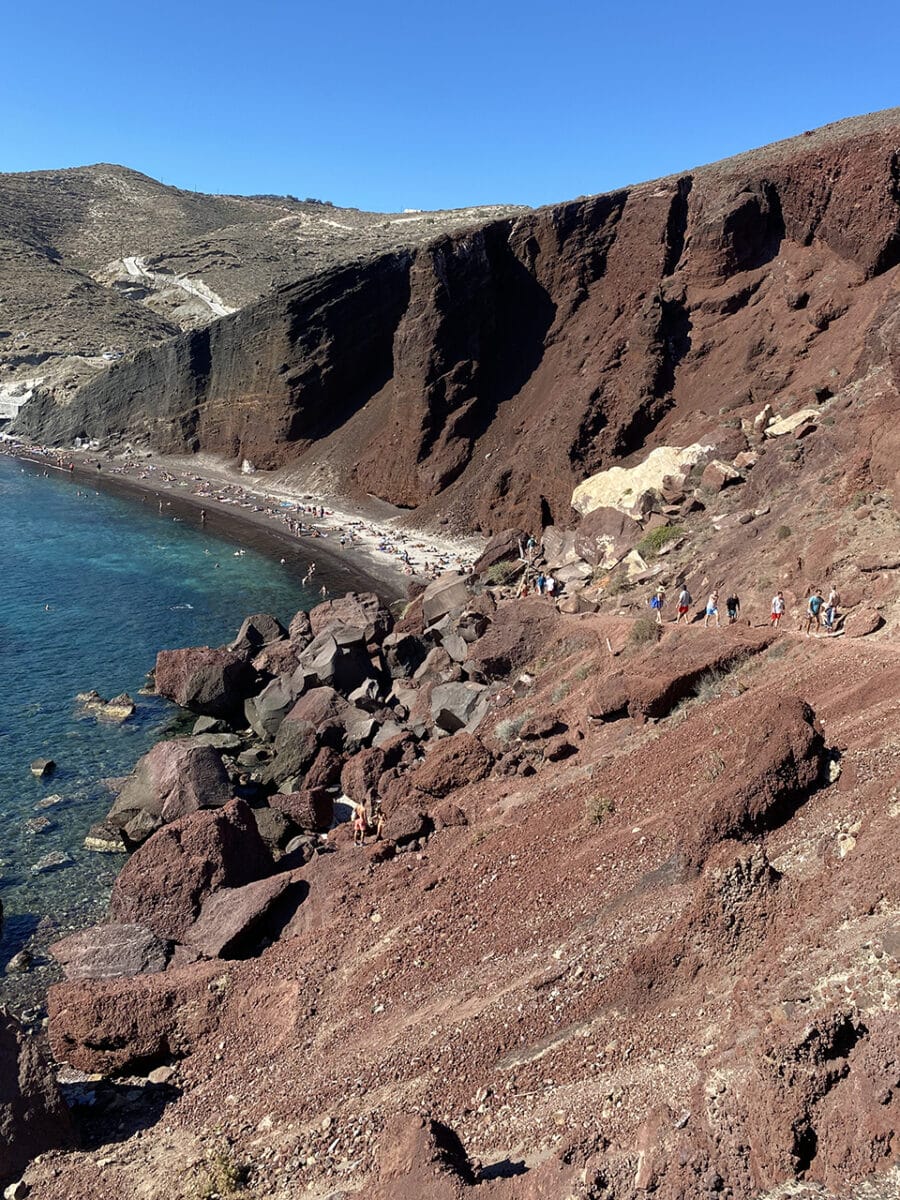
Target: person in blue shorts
pixel 814 611
pixel 712 608
pixel 656 603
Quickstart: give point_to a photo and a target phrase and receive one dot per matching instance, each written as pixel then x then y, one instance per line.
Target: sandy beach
pixel 355 544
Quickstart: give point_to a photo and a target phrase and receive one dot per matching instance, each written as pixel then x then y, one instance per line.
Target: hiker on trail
pixel 712 608
pixel 540 583
pixel 813 611
pixel 550 586
pixel 657 600
pixel 733 607
pixel 777 609
pixel 685 600
pixel 831 609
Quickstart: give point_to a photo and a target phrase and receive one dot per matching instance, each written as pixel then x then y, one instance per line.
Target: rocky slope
pixel 102 260
pixel 630 928
pixel 486 374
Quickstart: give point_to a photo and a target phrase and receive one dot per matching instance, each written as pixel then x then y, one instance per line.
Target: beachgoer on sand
pixel 712 608
pixel 685 600
pixel 777 609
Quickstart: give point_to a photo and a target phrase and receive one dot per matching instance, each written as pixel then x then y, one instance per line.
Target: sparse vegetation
pixel 509 728
pixel 644 631
pixel 223 1178
pixel 713 766
pixel 503 572
pixel 654 541
pixel 560 691
pixel 598 808
pixel 783 532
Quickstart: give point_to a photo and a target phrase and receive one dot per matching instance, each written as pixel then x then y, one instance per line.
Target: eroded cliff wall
pixel 484 375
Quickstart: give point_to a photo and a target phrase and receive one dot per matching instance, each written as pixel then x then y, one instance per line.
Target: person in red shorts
pixel 777 609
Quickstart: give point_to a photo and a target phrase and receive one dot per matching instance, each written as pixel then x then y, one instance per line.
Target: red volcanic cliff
pixel 486 374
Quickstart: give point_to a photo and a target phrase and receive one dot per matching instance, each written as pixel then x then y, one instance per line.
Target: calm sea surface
pixel 92 586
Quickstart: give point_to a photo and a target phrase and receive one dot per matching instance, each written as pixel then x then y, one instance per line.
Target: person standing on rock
pixel 657 600
pixel 831 609
pixel 733 607
pixel 813 611
pixel 360 825
pixel 550 586
pixel 540 583
pixel 712 608
pixel 777 609
pixel 685 600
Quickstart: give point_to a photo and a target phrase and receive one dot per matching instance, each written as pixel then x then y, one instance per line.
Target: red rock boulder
pixel 172 779
pixel 211 682
pixel 164 883
pixel 451 764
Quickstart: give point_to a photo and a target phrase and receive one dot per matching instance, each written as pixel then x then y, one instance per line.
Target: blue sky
pixel 425 105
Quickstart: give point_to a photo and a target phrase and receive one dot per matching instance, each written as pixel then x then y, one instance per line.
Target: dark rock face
pixel 164 883
pixel 105 951
pixel 257 631
pixel 213 683
pixel 33 1117
pixel 172 779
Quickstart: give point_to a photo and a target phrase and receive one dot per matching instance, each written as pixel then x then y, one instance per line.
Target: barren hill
pixel 103 259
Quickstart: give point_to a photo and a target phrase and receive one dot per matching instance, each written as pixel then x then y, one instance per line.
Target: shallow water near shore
pixel 93 586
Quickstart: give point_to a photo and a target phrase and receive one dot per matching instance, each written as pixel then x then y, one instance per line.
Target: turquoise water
pixel 92 586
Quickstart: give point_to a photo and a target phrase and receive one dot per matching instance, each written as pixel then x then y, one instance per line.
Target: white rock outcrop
pixel 620 487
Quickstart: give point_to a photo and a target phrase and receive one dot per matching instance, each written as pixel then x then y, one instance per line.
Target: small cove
pixel 94 584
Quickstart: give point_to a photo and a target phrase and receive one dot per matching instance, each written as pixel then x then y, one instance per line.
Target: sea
pixel 93 584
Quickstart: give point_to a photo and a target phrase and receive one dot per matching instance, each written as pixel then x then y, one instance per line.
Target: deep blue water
pixel 92 586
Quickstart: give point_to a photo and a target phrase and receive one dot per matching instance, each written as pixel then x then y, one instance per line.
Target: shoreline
pixel 375 555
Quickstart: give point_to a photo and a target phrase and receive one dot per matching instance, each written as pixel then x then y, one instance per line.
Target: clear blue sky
pixel 425 105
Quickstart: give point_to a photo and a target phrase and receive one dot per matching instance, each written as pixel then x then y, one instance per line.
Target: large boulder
pixel 451 764
pixel 172 779
pixel 164 883
pixel 117 1025
pixel 257 631
pixel 105 951
pixel 449 593
pixel 517 634
pixel 360 775
pixel 558 546
pixel 337 658
pixel 300 631
pixel 605 536
pixel 296 746
pixel 211 682
pixel 229 922
pixel 277 658
pixel 456 706
pixel 33 1116
pixel 782 759
pixel 403 653
pixel 311 809
pixel 506 546
pixel 356 610
pixel 266 711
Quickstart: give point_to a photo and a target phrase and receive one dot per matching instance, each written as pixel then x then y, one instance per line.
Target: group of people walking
pixel 817 607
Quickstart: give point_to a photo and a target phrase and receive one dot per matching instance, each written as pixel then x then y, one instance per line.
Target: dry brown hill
pixel 104 259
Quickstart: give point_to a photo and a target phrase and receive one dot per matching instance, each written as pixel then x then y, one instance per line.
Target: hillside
pixel 103 259
pixel 631 925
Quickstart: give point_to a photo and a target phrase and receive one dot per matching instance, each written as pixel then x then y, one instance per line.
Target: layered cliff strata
pixel 486 374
